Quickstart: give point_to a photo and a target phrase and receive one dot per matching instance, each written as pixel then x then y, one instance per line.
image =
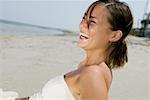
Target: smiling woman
pixel 103 30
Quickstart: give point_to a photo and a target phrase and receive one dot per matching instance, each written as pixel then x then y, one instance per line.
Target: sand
pixel 27 62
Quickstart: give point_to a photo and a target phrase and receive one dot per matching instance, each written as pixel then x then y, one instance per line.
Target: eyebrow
pixel 92 17
pixel 85 14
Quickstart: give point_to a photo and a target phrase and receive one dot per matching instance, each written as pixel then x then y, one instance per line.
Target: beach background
pixel 30 55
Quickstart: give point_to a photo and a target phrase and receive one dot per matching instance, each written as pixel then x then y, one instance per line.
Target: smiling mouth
pixel 83 36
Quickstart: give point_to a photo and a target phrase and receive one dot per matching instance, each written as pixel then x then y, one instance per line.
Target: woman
pixel 103 30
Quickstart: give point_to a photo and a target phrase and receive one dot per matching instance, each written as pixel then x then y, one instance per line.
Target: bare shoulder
pixel 93 83
pixel 98 72
pixel 94 70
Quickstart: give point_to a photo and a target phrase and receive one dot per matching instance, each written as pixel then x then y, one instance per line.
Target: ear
pixel 115 36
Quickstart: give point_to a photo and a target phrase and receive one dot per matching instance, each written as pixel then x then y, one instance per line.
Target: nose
pixel 84 26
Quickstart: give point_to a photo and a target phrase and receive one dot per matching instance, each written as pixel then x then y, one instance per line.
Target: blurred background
pixel 38 41
pixel 65 14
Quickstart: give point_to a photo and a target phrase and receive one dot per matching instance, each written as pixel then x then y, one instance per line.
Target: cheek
pixel 99 38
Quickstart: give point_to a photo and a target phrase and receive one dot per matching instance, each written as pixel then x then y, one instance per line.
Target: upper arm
pixel 93 84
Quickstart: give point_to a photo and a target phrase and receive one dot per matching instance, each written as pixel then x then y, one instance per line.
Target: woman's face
pixel 96 36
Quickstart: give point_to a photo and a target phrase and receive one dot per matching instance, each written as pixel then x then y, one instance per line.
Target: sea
pixel 18 28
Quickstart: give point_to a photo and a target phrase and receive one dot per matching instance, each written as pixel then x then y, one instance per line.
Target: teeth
pixel 84 35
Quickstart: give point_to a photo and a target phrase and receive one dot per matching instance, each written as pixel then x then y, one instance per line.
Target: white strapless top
pixel 55 89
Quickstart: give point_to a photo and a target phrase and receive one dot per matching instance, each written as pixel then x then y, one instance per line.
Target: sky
pixel 65 14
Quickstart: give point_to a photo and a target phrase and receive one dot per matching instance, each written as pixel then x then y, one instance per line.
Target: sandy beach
pixel 27 62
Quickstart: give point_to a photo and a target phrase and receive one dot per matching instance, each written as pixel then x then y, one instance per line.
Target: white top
pixel 55 89
pixel 8 95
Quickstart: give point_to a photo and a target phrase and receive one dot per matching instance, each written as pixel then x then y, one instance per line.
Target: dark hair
pixel 120 18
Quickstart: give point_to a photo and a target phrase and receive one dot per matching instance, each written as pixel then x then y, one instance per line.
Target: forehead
pixel 99 11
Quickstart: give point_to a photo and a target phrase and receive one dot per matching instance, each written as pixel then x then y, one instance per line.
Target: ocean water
pixel 10 27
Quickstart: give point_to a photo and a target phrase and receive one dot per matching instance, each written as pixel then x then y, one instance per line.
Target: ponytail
pixel 117 54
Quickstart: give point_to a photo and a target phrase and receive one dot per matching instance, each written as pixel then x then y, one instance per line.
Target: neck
pixel 94 57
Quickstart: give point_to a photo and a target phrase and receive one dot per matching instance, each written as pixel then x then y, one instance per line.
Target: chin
pixel 84 46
